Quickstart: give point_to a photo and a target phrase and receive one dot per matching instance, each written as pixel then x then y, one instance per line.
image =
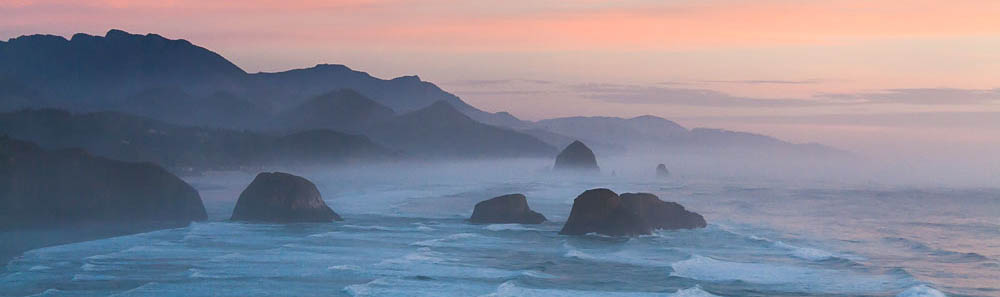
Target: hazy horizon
pixel 858 75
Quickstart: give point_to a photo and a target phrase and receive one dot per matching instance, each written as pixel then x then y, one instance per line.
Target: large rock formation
pixel 40 188
pixel 576 156
pixel 506 209
pixel 282 197
pixel 659 214
pixel 661 170
pixel 604 212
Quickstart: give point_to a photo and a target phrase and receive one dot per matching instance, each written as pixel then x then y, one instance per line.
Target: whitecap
pixel 92 277
pixel 508 227
pixel 326 234
pixel 143 290
pixel 921 291
pixel 806 253
pixel 695 291
pixel 345 267
pixel 423 254
pixel 536 274
pixel 444 241
pixel 227 257
pixel 411 287
pixel 574 253
pixel 794 277
pixel 372 228
pixel 49 292
pixel 510 288
pixel 39 268
pixel 198 273
pixel 92 267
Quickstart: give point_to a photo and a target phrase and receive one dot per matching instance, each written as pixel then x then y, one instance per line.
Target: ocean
pixel 405 234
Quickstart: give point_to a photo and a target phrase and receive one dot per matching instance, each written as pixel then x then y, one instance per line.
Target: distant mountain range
pixel 137 139
pixel 158 84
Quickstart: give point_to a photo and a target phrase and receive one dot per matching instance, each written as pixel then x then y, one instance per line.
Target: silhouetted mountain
pixel 64 196
pixel 341 110
pixel 403 94
pixel 326 146
pixel 442 131
pixel 93 73
pixel 14 95
pixel 616 130
pixel 650 133
pixel 131 138
pixel 177 82
pixel 86 71
pixel 172 104
pixel 53 188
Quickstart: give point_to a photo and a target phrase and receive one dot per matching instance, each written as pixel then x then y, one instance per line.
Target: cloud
pixel 765 82
pixel 634 94
pixel 493 82
pixel 680 94
pixel 922 96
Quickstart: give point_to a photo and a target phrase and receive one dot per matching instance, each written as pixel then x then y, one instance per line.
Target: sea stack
pixel 602 211
pixel 661 170
pixel 282 198
pixel 576 157
pixel 506 209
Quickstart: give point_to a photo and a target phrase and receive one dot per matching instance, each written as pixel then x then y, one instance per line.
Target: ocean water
pixel 405 234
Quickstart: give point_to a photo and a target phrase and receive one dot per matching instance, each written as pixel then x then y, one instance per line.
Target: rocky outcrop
pixel 604 212
pixel 659 214
pixel 283 198
pixel 578 157
pixel 661 170
pixel 41 188
pixel 506 209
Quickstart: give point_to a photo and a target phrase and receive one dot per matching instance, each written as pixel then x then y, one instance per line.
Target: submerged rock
pixel 576 156
pixel 506 209
pixel 661 170
pixel 66 188
pixel 604 212
pixel 282 197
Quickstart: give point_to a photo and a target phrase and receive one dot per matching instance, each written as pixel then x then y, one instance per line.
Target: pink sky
pixel 703 62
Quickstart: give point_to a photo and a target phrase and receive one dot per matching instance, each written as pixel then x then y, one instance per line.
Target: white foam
pixel 574 253
pixel 372 228
pixel 345 267
pixel 446 240
pixel 536 274
pixel 227 257
pixel 143 290
pixel 365 289
pixel 509 288
pixel 39 268
pixel 326 234
pixel 695 291
pixel 921 291
pixel 424 255
pixel 49 292
pixel 92 277
pixel 93 267
pixel 408 287
pixel 198 273
pixel 806 253
pixel 794 277
pixel 508 227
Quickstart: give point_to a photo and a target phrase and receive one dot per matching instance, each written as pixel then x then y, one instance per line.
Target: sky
pixel 888 76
